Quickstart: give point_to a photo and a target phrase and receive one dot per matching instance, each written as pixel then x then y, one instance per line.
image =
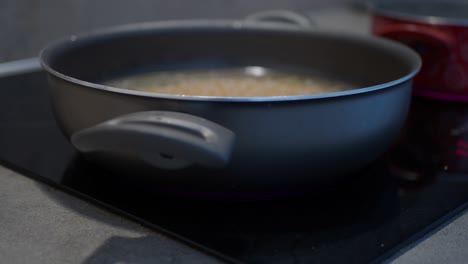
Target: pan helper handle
pixel 281 17
pixel 167 140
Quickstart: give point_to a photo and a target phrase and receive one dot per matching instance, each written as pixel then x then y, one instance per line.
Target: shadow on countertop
pixel 144 250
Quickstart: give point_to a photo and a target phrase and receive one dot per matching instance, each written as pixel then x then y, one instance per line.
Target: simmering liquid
pixel 247 82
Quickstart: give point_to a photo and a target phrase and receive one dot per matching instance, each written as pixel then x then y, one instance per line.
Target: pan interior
pixel 359 60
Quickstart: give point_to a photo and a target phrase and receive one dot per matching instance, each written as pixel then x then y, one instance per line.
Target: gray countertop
pixel 36 228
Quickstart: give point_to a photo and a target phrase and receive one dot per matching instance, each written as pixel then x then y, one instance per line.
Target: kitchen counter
pixel 38 225
pixel 36 228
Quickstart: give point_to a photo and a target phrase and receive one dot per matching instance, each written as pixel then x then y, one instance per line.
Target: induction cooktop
pixel 418 185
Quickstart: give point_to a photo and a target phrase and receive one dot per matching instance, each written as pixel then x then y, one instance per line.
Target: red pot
pixel 438 31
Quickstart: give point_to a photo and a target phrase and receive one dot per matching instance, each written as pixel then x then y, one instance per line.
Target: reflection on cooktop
pixel 384 207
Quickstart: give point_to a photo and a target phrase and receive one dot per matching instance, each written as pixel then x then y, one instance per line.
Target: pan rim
pixel 407 53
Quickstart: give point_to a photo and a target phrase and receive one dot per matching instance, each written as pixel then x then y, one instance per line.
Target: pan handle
pixel 167 140
pixel 280 16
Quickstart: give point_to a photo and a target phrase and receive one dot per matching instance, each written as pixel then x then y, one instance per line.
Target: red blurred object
pixel 462 148
pixel 438 31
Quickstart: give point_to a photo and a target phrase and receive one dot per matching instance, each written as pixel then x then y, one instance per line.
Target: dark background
pixel 27 25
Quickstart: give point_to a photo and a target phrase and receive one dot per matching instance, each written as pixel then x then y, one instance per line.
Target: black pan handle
pixel 280 16
pixel 167 140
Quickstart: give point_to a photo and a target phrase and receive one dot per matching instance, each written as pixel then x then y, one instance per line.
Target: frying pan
pixel 230 144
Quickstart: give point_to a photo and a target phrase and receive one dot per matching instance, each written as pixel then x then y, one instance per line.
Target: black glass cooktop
pixel 415 187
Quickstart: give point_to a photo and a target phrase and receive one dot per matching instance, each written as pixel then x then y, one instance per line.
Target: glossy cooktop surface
pixel 415 187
